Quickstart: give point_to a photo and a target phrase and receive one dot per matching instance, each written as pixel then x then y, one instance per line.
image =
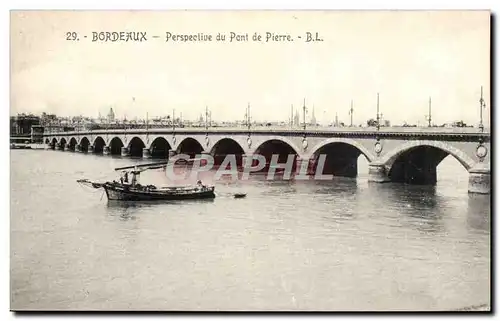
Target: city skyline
pixel 443 55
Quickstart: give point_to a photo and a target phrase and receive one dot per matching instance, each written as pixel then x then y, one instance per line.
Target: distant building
pixel 57 127
pixel 21 124
pixel 37 134
pixel 47 118
pixel 111 115
pixel 296 120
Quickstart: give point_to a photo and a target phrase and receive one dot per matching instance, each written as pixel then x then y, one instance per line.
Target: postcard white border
pixel 7 5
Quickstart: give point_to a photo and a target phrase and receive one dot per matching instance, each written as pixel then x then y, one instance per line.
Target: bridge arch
pixel 277 139
pixel 47 141
pixel 63 142
pixel 190 146
pixel 99 144
pixel 84 144
pixel 227 146
pixel 341 157
pixel 115 146
pixel 135 147
pixel 415 162
pixel 362 149
pixel 159 147
pixel 72 143
pixel 389 158
pixel 277 146
pixel 53 143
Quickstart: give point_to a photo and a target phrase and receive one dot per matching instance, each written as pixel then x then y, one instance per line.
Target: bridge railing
pixel 280 129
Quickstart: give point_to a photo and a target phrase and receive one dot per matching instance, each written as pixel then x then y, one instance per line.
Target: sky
pixel 405 56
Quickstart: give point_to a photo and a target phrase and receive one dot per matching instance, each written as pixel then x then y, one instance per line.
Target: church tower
pixel 111 114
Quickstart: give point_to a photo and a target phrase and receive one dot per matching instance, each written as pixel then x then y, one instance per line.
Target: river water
pixel 341 245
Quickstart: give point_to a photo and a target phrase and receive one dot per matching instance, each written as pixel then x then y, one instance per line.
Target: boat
pixel 133 191
pixel 20 146
pixel 126 192
pixel 240 195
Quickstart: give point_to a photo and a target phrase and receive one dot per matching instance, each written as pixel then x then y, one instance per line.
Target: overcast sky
pixel 405 56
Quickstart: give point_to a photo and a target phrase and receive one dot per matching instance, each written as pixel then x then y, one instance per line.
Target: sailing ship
pixel 133 191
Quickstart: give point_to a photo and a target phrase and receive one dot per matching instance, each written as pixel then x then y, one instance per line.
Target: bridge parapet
pixel 384 131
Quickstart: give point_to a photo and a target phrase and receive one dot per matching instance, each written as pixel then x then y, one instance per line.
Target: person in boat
pixel 200 184
pixel 124 178
pixel 133 182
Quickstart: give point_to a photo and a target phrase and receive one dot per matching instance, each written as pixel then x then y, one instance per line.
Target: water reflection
pixel 120 210
pixel 114 204
pixel 419 206
pixel 339 186
pixel 478 212
pixel 127 210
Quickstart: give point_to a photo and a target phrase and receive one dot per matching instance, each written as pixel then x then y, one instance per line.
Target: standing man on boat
pixel 124 177
pixel 134 177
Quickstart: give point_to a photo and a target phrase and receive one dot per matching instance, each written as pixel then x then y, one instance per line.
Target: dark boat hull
pixel 240 195
pixel 14 146
pixel 121 193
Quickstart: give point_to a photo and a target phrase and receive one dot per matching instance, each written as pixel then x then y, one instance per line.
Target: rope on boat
pixel 86 183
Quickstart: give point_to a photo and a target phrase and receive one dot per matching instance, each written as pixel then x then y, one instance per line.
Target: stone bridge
pixel 406 155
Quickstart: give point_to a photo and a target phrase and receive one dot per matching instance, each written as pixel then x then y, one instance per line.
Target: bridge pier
pixel 125 152
pixel 299 162
pixel 78 148
pixel 479 179
pixel 90 149
pixel 146 153
pixel 203 161
pixel 59 146
pixel 106 150
pixel 313 166
pixel 309 169
pixel 377 173
pixel 244 159
pixel 171 153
